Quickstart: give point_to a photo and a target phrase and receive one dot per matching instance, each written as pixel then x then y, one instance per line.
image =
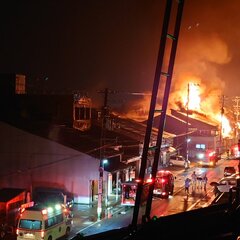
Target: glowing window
pixel 200 146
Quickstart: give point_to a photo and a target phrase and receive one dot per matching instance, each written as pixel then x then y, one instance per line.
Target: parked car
pixel 180 161
pixel 224 184
pixel 229 170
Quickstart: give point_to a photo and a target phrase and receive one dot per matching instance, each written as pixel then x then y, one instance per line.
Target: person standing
pixel 199 181
pixel 187 185
pixel 205 180
pixel 194 179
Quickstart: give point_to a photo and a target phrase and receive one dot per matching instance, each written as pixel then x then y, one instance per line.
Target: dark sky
pixel 93 44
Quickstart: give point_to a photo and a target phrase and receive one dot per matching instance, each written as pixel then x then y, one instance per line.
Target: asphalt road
pixel 85 220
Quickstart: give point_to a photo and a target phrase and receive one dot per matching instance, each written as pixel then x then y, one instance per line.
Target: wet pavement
pixel 85 216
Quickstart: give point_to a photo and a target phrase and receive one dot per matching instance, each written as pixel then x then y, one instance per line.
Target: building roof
pixel 136 130
pixel 51 117
pixel 193 118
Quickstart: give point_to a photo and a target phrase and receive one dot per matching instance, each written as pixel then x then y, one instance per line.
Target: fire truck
pixel 207 158
pixel 129 191
pixel 164 184
pixel 163 188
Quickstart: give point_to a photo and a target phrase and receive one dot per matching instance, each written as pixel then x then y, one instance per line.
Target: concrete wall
pixel 28 160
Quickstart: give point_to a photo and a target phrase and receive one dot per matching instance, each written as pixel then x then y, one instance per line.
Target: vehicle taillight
pixel 44 211
pixel 211 154
pixel 149 180
pixel 17 231
pixel 22 210
pixel 163 180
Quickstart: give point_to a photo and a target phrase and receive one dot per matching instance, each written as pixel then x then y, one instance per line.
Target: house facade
pixel 194 133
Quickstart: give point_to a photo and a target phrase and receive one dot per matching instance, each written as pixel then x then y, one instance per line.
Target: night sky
pixel 95 44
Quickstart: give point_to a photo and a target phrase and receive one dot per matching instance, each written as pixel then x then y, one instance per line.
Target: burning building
pixel 195 135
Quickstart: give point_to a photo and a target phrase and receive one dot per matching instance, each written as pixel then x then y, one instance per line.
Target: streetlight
pixel 100 187
pixel 104 161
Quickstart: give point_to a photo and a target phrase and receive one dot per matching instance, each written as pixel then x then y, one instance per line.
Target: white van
pixel 44 222
pixel 226 183
pixel 179 161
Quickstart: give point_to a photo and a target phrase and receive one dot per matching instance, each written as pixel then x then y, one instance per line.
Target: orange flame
pixel 192 101
pixel 225 125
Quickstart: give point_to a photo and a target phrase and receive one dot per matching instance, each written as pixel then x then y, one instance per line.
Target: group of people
pixel 196 181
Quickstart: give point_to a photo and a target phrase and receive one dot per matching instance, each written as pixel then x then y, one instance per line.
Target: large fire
pixel 225 125
pixel 198 98
pixel 191 100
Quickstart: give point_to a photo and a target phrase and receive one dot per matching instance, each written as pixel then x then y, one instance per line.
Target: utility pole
pixel 221 125
pixel 236 109
pixel 238 152
pixel 187 122
pixel 102 153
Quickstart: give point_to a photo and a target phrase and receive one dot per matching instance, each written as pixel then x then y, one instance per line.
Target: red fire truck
pixel 164 184
pixel 207 158
pixel 129 190
pixel 163 187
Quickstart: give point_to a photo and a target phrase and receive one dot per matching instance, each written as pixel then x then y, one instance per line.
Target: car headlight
pixel 200 155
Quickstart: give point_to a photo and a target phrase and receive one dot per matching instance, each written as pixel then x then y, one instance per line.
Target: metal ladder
pixel 158 74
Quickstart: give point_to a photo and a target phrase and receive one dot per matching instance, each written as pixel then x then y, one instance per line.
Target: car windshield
pixel 30 224
pixel 161 179
pixel 229 168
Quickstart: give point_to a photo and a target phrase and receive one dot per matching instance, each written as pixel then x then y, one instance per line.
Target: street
pixel 85 218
